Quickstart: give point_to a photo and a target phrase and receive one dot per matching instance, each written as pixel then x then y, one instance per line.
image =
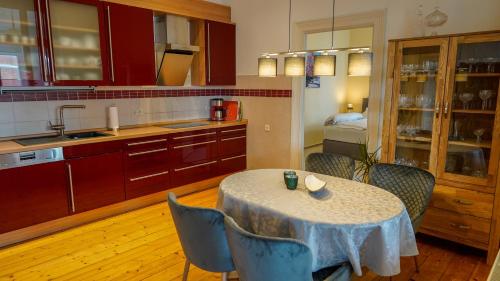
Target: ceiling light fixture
pixel 324 62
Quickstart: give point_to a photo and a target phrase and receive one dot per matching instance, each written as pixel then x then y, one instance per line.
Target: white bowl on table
pixel 313 184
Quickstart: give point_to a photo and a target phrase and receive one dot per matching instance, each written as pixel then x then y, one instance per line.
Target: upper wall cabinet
pixel 132 45
pixel 220 53
pixel 20 41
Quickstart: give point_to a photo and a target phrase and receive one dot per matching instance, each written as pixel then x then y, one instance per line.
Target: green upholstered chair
pixel 202 236
pixel 330 164
pixel 274 259
pixel 412 185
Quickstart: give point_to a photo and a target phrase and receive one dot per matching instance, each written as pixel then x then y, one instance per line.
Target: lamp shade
pixel 268 67
pixel 324 65
pixel 360 64
pixel 295 66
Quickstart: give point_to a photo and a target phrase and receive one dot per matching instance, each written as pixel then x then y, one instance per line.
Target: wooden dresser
pixel 442 114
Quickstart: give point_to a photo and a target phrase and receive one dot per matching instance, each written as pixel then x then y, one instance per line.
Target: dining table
pixel 348 221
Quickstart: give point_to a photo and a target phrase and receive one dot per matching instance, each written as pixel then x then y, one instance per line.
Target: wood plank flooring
pixel 143 245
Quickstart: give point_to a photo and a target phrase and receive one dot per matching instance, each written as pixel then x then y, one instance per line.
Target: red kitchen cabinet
pixel 131 40
pixel 96 181
pixel 232 149
pixel 220 55
pixel 32 194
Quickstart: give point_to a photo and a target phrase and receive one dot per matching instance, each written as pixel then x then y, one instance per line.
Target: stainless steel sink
pixel 67 137
pixel 185 125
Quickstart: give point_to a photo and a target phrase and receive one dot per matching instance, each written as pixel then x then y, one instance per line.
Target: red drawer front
pixel 232 164
pixel 146 162
pixel 191 174
pixel 147 184
pixel 91 149
pixel 232 146
pixel 240 130
pixel 193 136
pixel 183 155
pixel 146 144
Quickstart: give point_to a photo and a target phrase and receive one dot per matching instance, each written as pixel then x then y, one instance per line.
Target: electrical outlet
pixel 267 127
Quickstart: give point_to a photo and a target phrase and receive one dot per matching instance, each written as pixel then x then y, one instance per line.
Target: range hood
pixel 174 53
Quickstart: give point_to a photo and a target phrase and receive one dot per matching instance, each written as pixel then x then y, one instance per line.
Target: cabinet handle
pixel 193 144
pixel 40 29
pixel 147 152
pixel 71 191
pixel 235 157
pixel 149 176
pixel 235 138
pixel 235 130
pixel 437 109
pixel 208 54
pixel 195 166
pixel 446 109
pixel 460 226
pixel 192 136
pixel 463 202
pixel 146 142
pixel 112 67
pixel 51 50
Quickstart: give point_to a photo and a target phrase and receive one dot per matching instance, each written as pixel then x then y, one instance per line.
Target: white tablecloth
pixel 351 221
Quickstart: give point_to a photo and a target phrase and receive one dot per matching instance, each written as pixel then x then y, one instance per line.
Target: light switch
pixel 267 127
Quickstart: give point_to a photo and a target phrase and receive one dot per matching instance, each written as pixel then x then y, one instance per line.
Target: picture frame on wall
pixel 311 80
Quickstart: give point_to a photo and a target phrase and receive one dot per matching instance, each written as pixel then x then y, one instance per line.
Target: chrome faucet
pixel 61 127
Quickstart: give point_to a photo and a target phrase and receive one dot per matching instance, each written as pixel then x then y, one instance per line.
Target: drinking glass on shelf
pixel 465 98
pixel 457 125
pixel 479 133
pixel 472 64
pixel 485 95
pixel 490 64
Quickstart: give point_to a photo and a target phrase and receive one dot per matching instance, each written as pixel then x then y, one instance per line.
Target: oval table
pixel 349 221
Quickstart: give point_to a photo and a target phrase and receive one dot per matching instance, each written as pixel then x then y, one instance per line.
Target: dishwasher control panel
pixel 27 158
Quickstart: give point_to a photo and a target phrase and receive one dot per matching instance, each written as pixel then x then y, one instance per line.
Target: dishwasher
pixel 34 188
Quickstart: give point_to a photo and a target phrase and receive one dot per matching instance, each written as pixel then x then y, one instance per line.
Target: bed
pixel 344 138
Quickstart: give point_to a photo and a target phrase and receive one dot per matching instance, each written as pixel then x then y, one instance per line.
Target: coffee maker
pixel 217 109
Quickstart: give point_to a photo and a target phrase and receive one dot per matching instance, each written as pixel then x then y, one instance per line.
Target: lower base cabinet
pixel 32 195
pixel 194 173
pixel 96 181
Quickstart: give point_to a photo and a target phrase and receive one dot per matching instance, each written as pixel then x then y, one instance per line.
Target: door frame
pixel 374 19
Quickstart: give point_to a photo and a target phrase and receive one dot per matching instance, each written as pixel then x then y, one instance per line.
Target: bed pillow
pixel 343 117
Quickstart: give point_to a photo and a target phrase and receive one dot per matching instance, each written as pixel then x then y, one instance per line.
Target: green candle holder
pixel 285 173
pixel 291 181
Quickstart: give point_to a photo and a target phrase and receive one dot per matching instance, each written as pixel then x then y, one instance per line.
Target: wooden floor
pixel 143 245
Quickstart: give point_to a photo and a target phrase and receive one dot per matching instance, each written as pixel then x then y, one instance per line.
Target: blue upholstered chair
pixel 202 236
pixel 330 164
pixel 412 185
pixel 275 259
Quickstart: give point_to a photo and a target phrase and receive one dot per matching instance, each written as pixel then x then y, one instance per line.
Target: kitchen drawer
pixel 147 184
pixel 232 146
pixel 194 173
pixel 232 164
pixel 463 201
pixel 140 163
pixel 240 130
pixel 92 149
pixel 456 227
pixel 145 144
pixel 183 155
pixel 194 136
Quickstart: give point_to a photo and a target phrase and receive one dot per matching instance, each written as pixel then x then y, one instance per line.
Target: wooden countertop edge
pixel 128 133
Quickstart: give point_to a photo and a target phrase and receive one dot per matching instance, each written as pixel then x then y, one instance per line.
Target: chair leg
pixel 417 268
pixel 186 270
pixel 224 276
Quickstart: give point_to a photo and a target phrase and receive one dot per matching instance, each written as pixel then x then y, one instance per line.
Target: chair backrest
pixel 268 259
pixel 202 235
pixel 330 164
pixel 412 185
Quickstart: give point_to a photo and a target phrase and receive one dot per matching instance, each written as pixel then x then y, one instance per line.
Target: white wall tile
pixel 93 123
pixel 31 127
pixel 7 130
pixel 6 112
pixel 31 111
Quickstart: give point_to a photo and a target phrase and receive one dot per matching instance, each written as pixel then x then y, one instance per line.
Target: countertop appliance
pixel 28 158
pixel 217 109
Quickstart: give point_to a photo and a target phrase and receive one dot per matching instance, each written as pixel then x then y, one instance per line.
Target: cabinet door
pixel 21 52
pixel 77 42
pixel 96 181
pixel 469 147
pixel 220 42
pixel 32 194
pixel 419 76
pixel 132 45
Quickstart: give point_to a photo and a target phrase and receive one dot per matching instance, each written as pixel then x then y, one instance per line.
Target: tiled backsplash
pixel 25 113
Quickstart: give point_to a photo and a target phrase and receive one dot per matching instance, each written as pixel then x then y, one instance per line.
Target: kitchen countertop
pixel 127 133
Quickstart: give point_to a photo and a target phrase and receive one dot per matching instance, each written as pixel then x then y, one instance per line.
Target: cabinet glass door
pixel 20 60
pixel 419 84
pixel 470 144
pixel 76 41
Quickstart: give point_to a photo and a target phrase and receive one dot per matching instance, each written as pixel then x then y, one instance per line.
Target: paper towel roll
pixel 113 122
